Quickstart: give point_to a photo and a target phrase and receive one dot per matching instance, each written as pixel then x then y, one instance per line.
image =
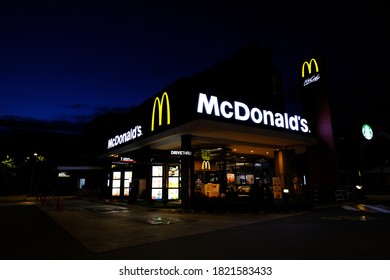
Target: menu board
pixel 173 182
pixel 173 194
pixel 276 184
pixel 173 171
pixel 157 170
pixel 116 184
pixel 157 194
pixel 116 175
pixel 230 177
pixel 250 179
pixel 157 182
pixel 116 192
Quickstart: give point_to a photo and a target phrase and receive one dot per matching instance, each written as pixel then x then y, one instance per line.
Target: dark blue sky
pixel 65 60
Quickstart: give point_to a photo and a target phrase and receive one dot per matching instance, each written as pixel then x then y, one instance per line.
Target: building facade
pixel 225 130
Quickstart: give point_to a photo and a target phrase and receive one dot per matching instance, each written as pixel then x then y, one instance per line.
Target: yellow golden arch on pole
pixel 308 64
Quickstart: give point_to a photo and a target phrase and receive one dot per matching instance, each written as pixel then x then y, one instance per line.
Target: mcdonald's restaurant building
pixel 222 130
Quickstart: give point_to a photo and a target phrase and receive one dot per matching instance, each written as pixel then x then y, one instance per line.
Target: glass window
pixel 127 182
pixel 157 181
pixel 173 181
pixel 116 183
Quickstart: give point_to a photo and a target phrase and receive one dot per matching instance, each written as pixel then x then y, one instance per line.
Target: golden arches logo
pixel 160 103
pixel 309 64
pixel 206 164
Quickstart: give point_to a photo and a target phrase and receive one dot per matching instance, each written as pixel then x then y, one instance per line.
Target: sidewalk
pixel 103 227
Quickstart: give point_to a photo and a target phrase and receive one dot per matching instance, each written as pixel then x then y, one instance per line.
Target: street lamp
pixel 32 172
pixel 368 134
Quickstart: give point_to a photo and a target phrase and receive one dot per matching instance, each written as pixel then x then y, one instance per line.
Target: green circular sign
pixel 367 131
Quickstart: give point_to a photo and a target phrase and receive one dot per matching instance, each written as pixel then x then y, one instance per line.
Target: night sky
pixel 64 60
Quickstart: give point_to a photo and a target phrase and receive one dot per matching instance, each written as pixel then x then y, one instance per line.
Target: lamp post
pixel 368 134
pixel 32 172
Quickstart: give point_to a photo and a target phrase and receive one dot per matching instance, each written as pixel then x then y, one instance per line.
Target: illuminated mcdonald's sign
pixel 205 154
pixel 160 103
pixel 206 164
pixel 309 65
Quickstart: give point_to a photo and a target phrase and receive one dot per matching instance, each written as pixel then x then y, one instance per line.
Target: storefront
pixel 225 128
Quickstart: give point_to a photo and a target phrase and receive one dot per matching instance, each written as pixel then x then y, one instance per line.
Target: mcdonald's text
pixel 242 112
pixel 125 137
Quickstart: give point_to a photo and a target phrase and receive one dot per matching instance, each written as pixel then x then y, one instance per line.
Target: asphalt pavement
pixel 102 226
